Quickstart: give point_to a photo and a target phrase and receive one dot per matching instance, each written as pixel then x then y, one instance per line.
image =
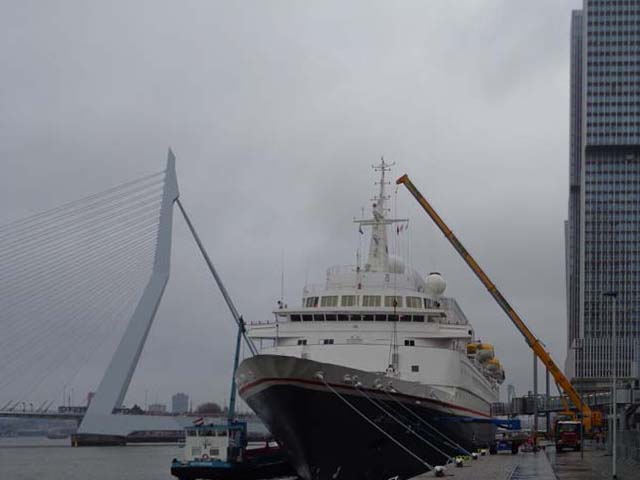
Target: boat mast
pixel 378 259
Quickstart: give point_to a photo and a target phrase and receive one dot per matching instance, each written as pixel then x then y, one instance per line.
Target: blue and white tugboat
pixel 221 452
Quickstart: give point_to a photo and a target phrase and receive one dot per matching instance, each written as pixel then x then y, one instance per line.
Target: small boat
pixel 220 452
pixel 57 434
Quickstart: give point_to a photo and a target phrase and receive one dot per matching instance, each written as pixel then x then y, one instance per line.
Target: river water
pixel 33 458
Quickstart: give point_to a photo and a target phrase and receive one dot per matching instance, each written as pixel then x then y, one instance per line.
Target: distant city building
pixel 602 233
pixel 180 403
pixel 157 408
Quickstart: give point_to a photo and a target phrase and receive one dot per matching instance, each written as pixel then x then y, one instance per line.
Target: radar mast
pixel 378 257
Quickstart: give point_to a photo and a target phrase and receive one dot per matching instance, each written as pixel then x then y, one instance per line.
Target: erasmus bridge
pixel 67 276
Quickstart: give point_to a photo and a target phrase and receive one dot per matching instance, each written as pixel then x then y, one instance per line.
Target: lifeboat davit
pixel 485 352
pixel 495 370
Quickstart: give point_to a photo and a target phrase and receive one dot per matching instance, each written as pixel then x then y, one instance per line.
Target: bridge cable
pixel 227 298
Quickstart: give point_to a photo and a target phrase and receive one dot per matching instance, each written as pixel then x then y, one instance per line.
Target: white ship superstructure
pixel 384 316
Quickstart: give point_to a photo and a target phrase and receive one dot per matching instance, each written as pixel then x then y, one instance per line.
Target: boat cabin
pixel 222 443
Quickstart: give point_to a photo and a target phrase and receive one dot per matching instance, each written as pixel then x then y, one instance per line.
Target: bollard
pixel 439 471
pixel 459 462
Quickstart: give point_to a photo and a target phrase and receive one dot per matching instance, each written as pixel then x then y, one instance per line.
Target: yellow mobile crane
pixel 590 418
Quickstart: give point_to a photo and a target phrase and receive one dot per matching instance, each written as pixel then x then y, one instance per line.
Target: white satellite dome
pixel 435 284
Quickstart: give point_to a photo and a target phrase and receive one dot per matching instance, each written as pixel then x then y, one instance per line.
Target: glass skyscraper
pixel 603 229
pixel 180 403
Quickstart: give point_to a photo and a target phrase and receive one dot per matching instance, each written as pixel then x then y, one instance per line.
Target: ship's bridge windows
pixel 354 318
pixel 405 318
pixel 418 318
pixel 392 318
pixel 367 318
pixel 327 341
pixel 381 318
pixel 311 302
pixel 349 300
pixel 331 317
pixel 371 300
pixel 393 301
pixel 428 303
pixel 302 341
pixel 414 302
pixel 415 368
pixel 329 301
pixel 307 318
pixel 318 318
pixel 295 318
pixel 343 318
pixel 409 343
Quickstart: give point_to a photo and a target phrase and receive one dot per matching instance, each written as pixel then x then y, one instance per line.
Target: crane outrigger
pixel 590 418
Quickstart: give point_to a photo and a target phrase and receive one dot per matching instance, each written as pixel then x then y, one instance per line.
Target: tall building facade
pixel 572 225
pixel 603 229
pixel 180 403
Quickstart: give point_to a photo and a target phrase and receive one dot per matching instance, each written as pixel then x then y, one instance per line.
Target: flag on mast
pixel 198 421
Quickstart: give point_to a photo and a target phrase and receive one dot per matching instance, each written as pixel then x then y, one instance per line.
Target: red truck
pixel 568 435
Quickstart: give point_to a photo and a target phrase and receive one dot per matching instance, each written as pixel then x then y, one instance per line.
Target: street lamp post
pixel 614 381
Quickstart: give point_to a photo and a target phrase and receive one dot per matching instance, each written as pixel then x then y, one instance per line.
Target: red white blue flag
pixel 199 421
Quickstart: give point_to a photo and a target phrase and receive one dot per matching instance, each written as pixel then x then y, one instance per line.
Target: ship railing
pixel 352 284
pixel 314 289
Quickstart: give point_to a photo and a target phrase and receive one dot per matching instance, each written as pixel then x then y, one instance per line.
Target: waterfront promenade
pixel 544 465
pixel 596 465
pixel 503 466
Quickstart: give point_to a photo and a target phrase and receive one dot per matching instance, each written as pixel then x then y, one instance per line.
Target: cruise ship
pixel 377 374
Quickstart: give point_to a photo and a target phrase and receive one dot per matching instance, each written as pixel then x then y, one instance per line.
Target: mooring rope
pixel 320 376
pixel 408 427
pixel 452 442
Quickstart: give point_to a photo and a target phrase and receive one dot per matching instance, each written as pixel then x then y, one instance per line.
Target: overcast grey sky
pixel 275 111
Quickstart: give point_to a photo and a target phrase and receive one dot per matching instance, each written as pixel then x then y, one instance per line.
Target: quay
pixel 544 465
pixel 596 465
pixel 502 466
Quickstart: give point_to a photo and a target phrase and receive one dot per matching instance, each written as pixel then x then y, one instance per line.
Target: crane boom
pixel 590 417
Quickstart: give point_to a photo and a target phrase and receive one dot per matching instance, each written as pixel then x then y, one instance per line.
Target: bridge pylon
pixel 100 425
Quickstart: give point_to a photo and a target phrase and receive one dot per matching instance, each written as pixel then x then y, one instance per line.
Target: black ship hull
pixel 341 432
